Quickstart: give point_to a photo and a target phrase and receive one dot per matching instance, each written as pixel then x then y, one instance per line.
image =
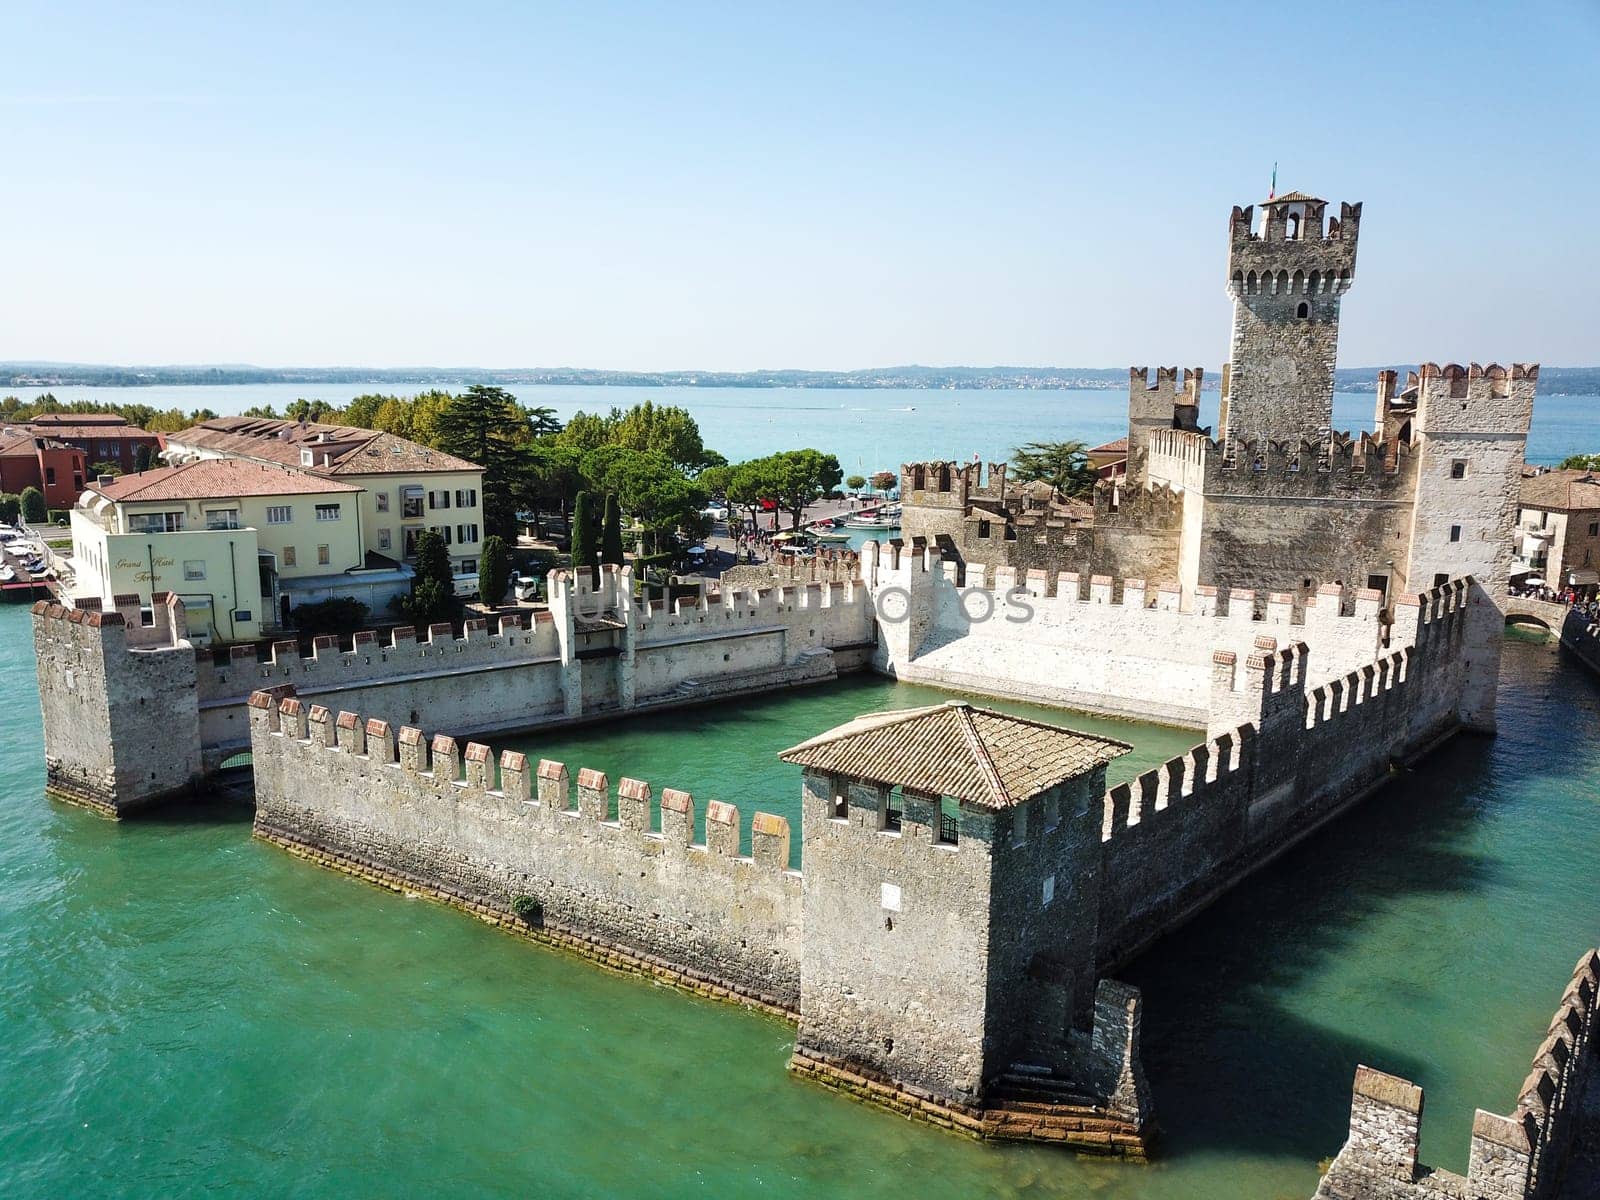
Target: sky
pixel 741 186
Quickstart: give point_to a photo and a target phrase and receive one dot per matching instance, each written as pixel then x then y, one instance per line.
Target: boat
pixel 7 574
pixel 830 534
pixel 872 522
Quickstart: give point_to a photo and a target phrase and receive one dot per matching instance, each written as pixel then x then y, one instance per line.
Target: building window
pixel 1458 468
pixel 49 475
pixel 411 504
pixel 382 499
pixel 279 514
pixel 288 556
pixel 841 803
pixel 891 810
pixel 1303 311
pixel 1052 813
pixel 949 831
pixel 1594 528
pixel 327 512
pixel 1011 532
pixel 466 533
pixel 983 529
pixel 412 535
pixel 322 556
pixel 77 482
pixel 1047 892
pixel 307 458
pixel 194 568
pixel 385 541
pixel 466 497
pixel 1019 827
pixel 469 566
pixel 1455 533
pixel 438 499
pixel 443 531
pixel 222 518
pixel 168 522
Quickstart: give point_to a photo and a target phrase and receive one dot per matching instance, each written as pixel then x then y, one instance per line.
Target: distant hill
pixel 1552 380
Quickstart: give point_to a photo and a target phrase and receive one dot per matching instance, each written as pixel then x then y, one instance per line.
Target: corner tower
pixel 1286 279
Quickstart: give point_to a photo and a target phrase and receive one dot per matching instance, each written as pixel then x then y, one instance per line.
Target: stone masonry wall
pixel 422 809
pixel 1284 756
pixel 1519 1157
pixel 1077 645
pixel 120 725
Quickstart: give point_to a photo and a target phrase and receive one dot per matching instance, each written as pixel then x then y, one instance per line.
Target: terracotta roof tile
pixel 336 449
pixel 215 479
pixel 953 749
pixel 1567 491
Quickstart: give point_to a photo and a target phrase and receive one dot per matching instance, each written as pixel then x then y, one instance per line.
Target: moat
pixel 186 1007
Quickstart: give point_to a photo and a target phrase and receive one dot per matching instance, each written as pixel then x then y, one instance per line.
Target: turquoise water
pixel 186 1011
pixel 870 430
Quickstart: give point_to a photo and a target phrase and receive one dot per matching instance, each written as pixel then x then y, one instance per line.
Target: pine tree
pixel 584 551
pixel 433 596
pixel 611 532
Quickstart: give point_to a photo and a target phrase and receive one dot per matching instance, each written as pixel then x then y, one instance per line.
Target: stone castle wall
pixel 1285 754
pixel 425 810
pixel 1522 1156
pixel 1096 644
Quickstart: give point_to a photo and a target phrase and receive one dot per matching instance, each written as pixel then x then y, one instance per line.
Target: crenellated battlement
pixel 1165 384
pixel 942 483
pixel 1515 1157
pixel 612 868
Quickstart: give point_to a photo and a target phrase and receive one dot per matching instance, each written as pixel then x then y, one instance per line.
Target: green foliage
pixel 341 614
pixel 611 531
pixel 494 570
pixel 791 478
pixel 855 482
pixel 885 481
pixel 34 509
pixel 527 910
pixel 665 430
pixel 585 552
pixel 143 456
pixel 106 468
pixel 657 494
pixel 1063 465
pixel 10 507
pixel 1581 462
pixel 432 595
pixel 716 479
pixel 485 425
pixel 264 411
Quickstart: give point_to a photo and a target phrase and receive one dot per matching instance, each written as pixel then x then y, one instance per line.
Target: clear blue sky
pixel 738 186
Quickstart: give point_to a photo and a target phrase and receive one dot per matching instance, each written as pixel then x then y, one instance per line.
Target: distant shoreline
pixel 1554 380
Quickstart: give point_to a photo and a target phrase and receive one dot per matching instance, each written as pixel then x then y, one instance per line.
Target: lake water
pixel 186 1011
pixel 870 430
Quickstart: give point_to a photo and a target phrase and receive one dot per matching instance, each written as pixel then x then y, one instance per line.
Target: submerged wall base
pixel 597 950
pixel 1085 1128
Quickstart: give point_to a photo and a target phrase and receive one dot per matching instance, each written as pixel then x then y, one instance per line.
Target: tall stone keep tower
pixel 1286 279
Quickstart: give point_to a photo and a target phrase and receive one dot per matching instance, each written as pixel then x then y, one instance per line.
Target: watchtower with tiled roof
pixel 1286 277
pixel 951 893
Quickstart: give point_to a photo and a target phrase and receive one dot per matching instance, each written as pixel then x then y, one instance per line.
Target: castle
pixel 1317 608
pixel 1277 501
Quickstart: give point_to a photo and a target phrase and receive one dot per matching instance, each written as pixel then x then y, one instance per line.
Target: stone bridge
pixel 1525 609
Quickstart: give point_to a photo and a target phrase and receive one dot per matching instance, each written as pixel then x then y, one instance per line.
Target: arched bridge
pixel 1523 610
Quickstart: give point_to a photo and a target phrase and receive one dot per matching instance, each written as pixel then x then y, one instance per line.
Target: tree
pixel 611 532
pixel 584 551
pixel 433 596
pixel 668 431
pixel 10 507
pixel 482 426
pixel 264 411
pixel 555 474
pixel 494 570
pixel 792 479
pixel 855 482
pixel 716 479
pixel 34 509
pixel 1063 465
pixel 143 456
pixel 1581 462
pixel 393 416
pixel 106 468
pixel 542 421
pixel 885 481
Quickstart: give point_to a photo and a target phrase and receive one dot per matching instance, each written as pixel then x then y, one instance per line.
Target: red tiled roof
pixel 953 749
pixel 85 425
pixel 215 479
pixel 1563 491
pixel 1120 446
pixel 336 449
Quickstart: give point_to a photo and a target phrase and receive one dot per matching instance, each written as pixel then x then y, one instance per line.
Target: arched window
pixel 1303 311
pixel 1292 233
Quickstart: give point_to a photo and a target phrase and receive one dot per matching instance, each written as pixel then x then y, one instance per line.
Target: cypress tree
pixel 611 533
pixel 584 551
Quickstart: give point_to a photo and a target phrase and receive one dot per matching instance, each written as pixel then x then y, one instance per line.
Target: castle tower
pixel 1286 279
pixel 1159 405
pixel 951 894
